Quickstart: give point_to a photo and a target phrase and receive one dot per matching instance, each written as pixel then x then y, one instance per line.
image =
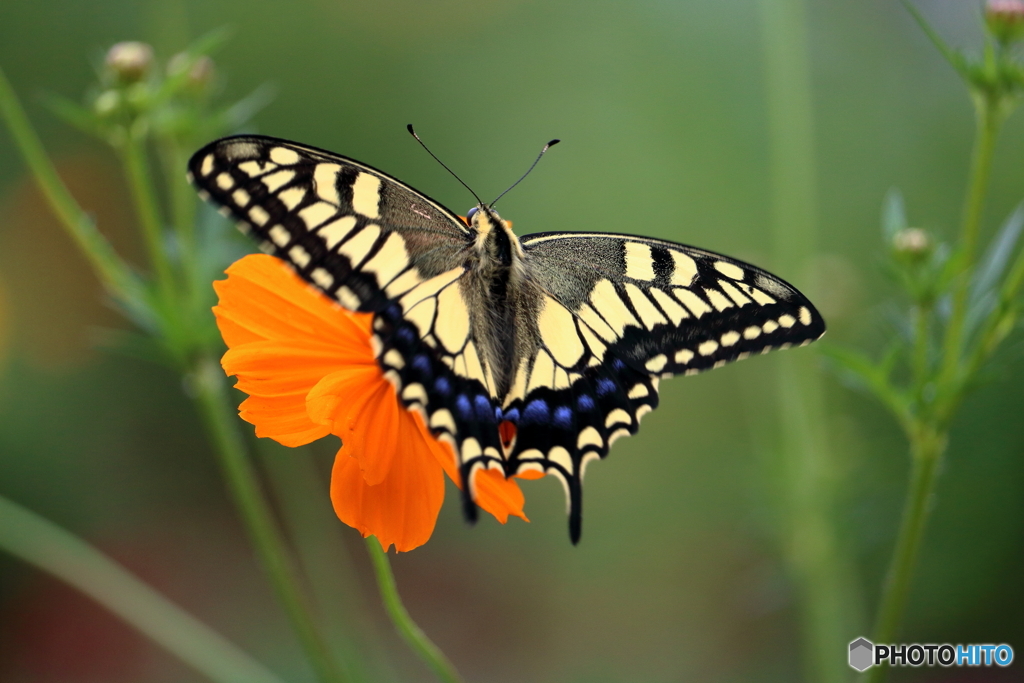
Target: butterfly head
pixel 494 235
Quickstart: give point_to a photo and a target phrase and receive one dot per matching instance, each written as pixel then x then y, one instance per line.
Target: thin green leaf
pixel 861 373
pixel 993 265
pixel 894 215
pixel 117 277
pixel 240 113
pixel 955 59
pixel 855 364
pixel 132 345
pixel 984 295
pixel 73 114
pixel 44 545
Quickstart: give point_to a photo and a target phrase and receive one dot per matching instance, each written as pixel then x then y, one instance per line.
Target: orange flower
pixel 309 370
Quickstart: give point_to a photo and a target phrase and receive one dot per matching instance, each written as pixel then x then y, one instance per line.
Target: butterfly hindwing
pixel 357 234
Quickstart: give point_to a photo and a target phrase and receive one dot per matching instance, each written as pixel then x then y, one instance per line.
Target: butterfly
pixel 531 353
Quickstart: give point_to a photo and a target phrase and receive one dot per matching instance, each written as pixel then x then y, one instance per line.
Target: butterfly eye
pixel 469 214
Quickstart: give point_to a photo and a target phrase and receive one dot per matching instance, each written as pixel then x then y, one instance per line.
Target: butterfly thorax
pixel 495 240
pixel 493 291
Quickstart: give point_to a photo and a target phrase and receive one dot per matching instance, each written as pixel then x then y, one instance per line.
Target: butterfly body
pixel 524 354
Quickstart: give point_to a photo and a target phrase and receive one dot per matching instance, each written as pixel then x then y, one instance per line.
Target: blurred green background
pixel 682 572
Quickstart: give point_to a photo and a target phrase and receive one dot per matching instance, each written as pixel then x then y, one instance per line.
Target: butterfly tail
pixel 575 509
pixel 469 507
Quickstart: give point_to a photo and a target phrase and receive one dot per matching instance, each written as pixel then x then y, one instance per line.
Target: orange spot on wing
pixel 507 432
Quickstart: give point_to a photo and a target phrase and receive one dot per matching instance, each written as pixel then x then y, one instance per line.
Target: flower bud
pixel 912 244
pixel 1005 19
pixel 200 71
pixel 130 61
pixel 107 103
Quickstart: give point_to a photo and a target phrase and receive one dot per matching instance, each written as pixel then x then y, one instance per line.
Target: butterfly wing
pixel 616 314
pixel 371 243
pixel 360 236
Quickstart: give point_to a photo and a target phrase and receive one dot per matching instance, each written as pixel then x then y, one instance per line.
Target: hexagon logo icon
pixel 862 654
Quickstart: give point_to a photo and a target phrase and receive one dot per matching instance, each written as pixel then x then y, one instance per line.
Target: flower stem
pixel 406 627
pixel 919 363
pixel 115 275
pixel 140 181
pixel 182 203
pixel 212 401
pixel 927 447
pixel 988 120
pixel 806 457
pixel 45 545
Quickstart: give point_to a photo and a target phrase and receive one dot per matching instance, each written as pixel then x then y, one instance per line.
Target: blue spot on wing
pixel 563 417
pixel 605 386
pixel 585 403
pixel 465 408
pixel 536 411
pixel 422 363
pixel 443 386
pixel 483 408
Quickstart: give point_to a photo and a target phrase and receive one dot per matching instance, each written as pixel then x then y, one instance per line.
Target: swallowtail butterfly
pixel 532 353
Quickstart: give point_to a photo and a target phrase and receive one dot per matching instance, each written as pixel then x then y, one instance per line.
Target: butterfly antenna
pixel 546 148
pixel 423 144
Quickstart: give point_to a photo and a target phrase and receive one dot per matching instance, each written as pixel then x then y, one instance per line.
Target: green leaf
pixel 894 215
pixel 132 345
pixel 990 270
pixel 860 372
pixel 988 277
pixel 74 114
pixel 956 60
pixel 241 112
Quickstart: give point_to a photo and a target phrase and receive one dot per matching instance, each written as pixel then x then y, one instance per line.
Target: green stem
pixel 407 628
pixel 45 545
pixel 813 552
pixel 115 275
pixel 182 205
pixel 140 181
pixel 927 447
pixel 988 121
pixel 212 401
pixel 922 324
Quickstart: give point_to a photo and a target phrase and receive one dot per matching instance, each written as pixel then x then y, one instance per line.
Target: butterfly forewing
pixel 357 234
pixel 666 308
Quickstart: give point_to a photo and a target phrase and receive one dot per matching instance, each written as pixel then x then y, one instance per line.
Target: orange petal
pixel 531 474
pixel 499 496
pixel 283 338
pixel 402 509
pixel 360 406
pixel 263 298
